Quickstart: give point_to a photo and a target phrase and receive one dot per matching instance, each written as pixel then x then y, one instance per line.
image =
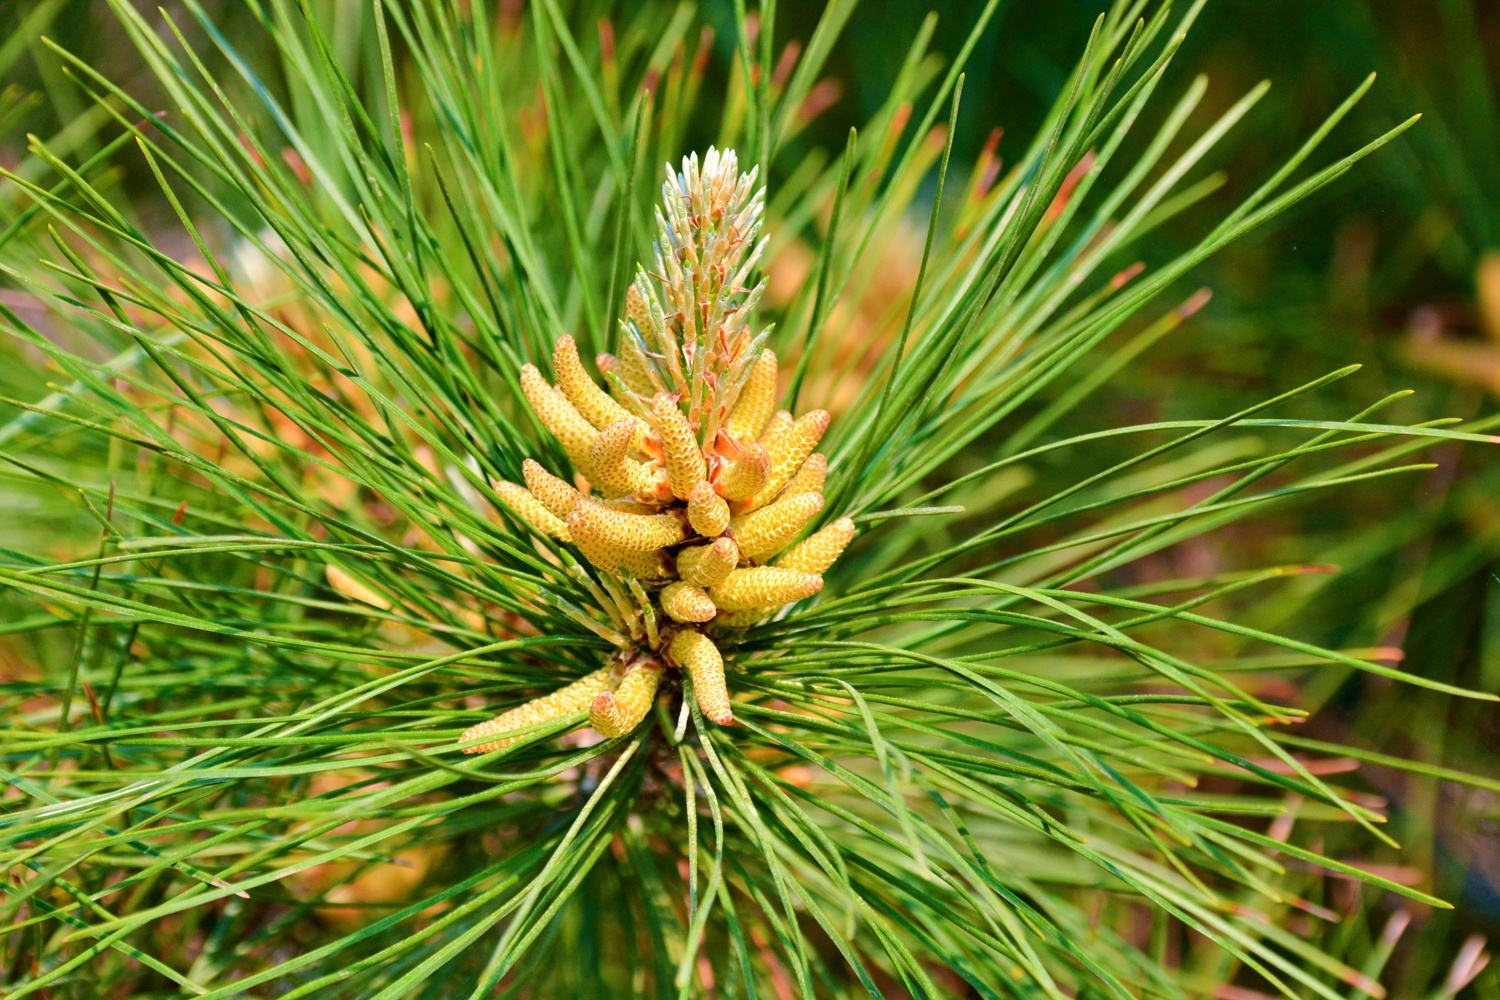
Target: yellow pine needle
pixel 685 602
pixel 809 478
pixel 757 399
pixel 596 406
pixel 707 512
pixel 613 470
pixel 746 476
pixel 683 457
pixel 532 511
pixel 558 415
pixel 816 552
pixel 565 701
pixel 557 496
pixel 708 565
pixel 789 449
pixel 615 713
pixel 767 531
pixel 696 653
pixel 764 587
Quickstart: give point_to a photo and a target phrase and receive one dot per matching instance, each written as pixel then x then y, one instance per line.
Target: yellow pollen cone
pixel 746 475
pixel 643 565
pixel 597 524
pixel 565 701
pixel 809 478
pixel 556 495
pixel 531 510
pixel 596 406
pixel 789 449
pixel 767 531
pixel 635 371
pixel 697 654
pixel 558 415
pixel 680 451
pixel 781 421
pixel 708 565
pixel 684 602
pixel 817 551
pixel 612 469
pixel 764 587
pixel 742 619
pixel 707 512
pixel 615 713
pixel 757 399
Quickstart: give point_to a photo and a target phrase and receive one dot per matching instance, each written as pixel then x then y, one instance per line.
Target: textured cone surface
pixel 531 510
pixel 612 558
pixel 742 619
pixel 615 713
pixel 757 400
pixel 558 415
pixel 605 528
pixel 789 449
pixel 816 552
pixel 764 587
pixel 593 403
pixel 697 654
pixel 635 371
pixel 680 451
pixel 684 602
pixel 767 531
pixel 612 469
pixel 556 495
pixel 708 565
pixel 565 701
pixel 809 478
pixel 707 512
pixel 746 475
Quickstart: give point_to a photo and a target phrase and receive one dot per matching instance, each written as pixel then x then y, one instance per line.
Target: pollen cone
pixel 685 602
pixel 817 552
pixel 558 415
pixel 680 451
pixel 531 510
pixel 708 565
pixel 707 512
pixel 697 654
pixel 593 403
pixel 770 529
pixel 564 701
pixel 764 587
pixel 615 713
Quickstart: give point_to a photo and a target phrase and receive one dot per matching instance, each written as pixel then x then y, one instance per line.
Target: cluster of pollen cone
pixel 691 490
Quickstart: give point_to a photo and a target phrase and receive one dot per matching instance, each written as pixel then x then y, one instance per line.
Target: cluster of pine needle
pixel 348 471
